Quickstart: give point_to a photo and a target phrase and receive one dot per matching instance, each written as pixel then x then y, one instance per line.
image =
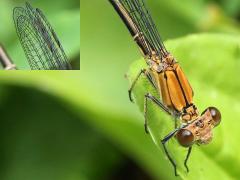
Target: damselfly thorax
pixel 173 87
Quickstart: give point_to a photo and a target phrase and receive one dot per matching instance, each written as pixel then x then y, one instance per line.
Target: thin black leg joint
pixel 187 157
pixel 134 83
pixel 163 141
pixel 158 103
pixel 148 96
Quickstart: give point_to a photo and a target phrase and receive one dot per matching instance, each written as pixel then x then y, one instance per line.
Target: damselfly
pixel 168 79
pixel 39 41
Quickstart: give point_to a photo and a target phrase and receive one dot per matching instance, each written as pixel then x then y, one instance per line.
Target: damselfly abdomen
pixel 168 79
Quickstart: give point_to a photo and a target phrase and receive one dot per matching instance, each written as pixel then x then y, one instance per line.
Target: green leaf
pixel 211 62
pixel 97 95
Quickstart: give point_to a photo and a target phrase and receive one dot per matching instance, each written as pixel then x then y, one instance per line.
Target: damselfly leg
pixel 5 60
pixel 163 141
pixel 142 71
pixel 182 134
pixel 187 157
pixel 155 100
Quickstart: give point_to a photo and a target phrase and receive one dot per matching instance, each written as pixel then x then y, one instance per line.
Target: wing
pixel 139 22
pixel 40 43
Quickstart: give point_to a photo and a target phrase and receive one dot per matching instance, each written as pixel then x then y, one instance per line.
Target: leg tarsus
pixel 145 114
pixel 169 157
pixel 187 157
pixel 175 123
pixel 130 95
pixel 148 96
pixel 157 102
pixel 163 141
pixel 133 84
pixel 146 128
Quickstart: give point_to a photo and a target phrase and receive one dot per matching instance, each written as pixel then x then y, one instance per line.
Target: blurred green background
pixel 64 18
pixel 81 125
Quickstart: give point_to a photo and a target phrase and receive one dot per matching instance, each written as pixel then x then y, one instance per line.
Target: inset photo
pixel 40 35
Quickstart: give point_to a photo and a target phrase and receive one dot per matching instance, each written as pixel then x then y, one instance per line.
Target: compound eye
pixel 185 137
pixel 216 115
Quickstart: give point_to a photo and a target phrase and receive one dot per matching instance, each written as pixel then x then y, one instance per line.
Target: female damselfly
pixel 168 79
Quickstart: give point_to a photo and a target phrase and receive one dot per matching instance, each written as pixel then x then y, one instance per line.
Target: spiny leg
pixel 5 60
pixel 148 96
pixel 187 157
pixel 175 122
pixel 145 115
pixel 163 141
pixel 134 83
pixel 149 78
pixel 176 116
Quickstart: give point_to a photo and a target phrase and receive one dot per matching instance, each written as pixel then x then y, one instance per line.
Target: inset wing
pixel 141 26
pixel 40 43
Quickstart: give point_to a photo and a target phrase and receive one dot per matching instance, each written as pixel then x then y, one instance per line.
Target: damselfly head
pixel 213 114
pixel 199 131
pixel 185 137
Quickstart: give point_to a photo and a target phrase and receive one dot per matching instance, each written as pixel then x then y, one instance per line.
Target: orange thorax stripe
pixel 176 91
